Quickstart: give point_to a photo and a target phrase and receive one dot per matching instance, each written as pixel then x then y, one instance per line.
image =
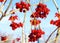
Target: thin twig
pixel 28 1
pixel 24 18
pixel 3 4
pixel 51 35
pixel 41 1
pixel 5 1
pixel 57 35
pixel 1 12
pixel 3 15
pixel 1 7
pixel 8 7
pixel 56 5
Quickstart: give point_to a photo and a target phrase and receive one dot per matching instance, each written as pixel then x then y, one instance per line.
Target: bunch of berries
pixel 22 6
pixel 35 35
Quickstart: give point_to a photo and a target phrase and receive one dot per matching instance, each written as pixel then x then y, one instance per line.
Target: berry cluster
pixel 22 5
pixel 3 38
pixel 57 15
pixel 12 18
pixel 16 25
pixel 41 11
pixel 35 35
pixel 17 39
pixel 57 22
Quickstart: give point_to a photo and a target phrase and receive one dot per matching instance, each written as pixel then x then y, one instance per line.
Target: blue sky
pixel 45 23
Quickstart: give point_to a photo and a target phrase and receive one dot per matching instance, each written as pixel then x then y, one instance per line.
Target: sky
pixel 5 29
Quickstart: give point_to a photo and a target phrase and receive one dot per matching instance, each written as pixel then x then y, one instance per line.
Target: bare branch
pixel 56 5
pixel 3 15
pixel 51 35
pixel 8 7
pixel 1 7
pixel 1 12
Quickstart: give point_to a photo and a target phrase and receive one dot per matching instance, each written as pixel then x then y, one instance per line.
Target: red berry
pixel 35 35
pixel 3 38
pixel 1 0
pixel 42 10
pixel 17 39
pixel 22 5
pixel 12 18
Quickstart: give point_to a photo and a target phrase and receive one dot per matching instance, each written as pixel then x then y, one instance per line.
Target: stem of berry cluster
pixel 4 14
pixel 34 23
pixel 38 41
pixel 23 34
pixel 50 35
pixel 41 1
pixel 31 28
pixel 26 38
pixel 28 1
pixel 39 26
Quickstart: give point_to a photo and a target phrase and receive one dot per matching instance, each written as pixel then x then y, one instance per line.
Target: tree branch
pixel 56 5
pixel 1 7
pixel 51 35
pixel 3 15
